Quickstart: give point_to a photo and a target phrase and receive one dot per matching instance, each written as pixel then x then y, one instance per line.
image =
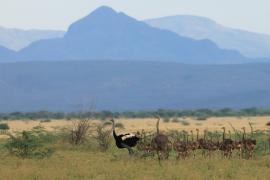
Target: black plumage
pixel 125 140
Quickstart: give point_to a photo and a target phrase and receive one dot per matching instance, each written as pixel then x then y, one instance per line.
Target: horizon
pixel 26 13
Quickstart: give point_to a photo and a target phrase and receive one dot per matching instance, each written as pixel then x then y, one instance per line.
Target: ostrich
pixel 181 147
pixel 160 142
pixel 125 140
pixel 194 144
pixel 227 144
pixel 237 144
pixel 249 144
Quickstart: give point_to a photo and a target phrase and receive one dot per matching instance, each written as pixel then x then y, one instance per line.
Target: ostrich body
pixel 227 145
pixel 249 144
pixel 160 143
pixel 125 140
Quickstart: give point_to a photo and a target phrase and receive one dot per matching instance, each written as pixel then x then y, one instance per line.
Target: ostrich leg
pixel 130 150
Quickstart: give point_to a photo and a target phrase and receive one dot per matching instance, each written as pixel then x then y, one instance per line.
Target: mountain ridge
pixel 250 44
pixel 110 35
pixel 16 39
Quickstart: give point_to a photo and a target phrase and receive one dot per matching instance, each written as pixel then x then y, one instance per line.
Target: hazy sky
pixel 59 14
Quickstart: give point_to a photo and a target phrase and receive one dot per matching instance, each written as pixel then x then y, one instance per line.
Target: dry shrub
pixel 103 137
pixel 79 131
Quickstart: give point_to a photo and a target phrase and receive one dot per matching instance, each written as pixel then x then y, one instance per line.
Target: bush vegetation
pixel 102 115
pixel 175 120
pixel 29 144
pixel 185 123
pixel 166 120
pixel 4 126
pixel 103 137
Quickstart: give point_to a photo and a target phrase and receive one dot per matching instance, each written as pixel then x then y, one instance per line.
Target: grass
pixel 88 162
pixel 116 164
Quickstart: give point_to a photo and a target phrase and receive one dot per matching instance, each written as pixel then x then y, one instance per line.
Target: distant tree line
pixel 200 114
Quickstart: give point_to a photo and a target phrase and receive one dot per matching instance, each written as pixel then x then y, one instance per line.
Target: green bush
pixel 107 123
pixel 103 137
pixel 46 120
pixel 4 126
pixel 175 120
pixel 166 120
pixel 29 144
pixel 202 117
pixel 119 125
pixel 185 123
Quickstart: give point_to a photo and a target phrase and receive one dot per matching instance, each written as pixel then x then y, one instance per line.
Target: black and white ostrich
pixel 125 140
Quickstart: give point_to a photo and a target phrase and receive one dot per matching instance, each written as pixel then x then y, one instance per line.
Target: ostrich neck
pixel 158 126
pixel 223 136
pixel 114 133
pixel 197 135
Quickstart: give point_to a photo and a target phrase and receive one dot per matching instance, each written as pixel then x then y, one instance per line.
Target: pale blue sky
pixel 59 14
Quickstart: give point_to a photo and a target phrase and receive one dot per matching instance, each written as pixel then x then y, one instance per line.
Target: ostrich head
pixel 111 119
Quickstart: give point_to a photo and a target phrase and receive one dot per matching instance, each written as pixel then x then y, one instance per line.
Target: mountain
pixel 6 54
pixel 17 39
pixel 131 85
pixel 109 35
pixel 250 44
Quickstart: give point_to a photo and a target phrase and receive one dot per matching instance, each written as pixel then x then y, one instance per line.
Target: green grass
pixel 88 162
pixel 116 164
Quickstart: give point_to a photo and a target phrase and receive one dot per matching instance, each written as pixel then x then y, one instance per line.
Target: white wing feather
pixel 127 136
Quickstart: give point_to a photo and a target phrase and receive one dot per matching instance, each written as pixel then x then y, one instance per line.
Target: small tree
pixel 4 128
pixel 79 131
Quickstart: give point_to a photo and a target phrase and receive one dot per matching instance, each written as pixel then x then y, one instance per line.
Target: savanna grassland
pixel 87 161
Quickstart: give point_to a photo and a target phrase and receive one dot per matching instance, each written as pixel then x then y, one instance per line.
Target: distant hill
pixel 248 43
pixel 6 55
pixel 16 39
pixel 130 85
pixel 108 35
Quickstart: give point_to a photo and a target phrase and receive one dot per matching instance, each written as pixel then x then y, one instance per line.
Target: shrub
pixel 166 120
pixel 79 131
pixel 103 137
pixel 119 125
pixel 202 117
pixel 28 144
pixel 175 120
pixel 185 123
pixel 107 123
pixel 46 120
pixel 4 126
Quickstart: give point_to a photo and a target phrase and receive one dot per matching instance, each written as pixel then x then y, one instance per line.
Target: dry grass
pixel 148 124
pixel 118 165
pixel 89 163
